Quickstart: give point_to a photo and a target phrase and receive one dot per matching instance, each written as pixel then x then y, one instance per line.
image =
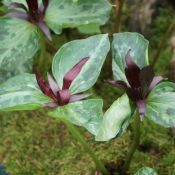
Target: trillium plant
pixel 28 25
pixel 75 70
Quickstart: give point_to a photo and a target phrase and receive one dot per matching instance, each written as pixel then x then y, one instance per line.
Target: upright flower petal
pixel 72 74
pixel 132 71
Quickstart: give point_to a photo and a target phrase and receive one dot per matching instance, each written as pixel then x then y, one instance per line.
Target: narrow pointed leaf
pixel 17 5
pixel 95 47
pixel 19 15
pixel 146 171
pixel 118 83
pixel 79 97
pixel 21 93
pixel 53 85
pixel 156 80
pixel 86 113
pixel 122 43
pixel 67 14
pixel 19 44
pixel 44 28
pixel 161 104
pixel 115 120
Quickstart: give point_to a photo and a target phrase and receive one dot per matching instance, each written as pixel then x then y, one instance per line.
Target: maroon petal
pixel 132 72
pixel 63 97
pixel 19 15
pixel 141 105
pixel 156 80
pixel 45 87
pixel 44 28
pixel 17 5
pixel 53 85
pixel 33 6
pixel 79 97
pixel 146 77
pixel 45 3
pixel 118 83
pixel 73 73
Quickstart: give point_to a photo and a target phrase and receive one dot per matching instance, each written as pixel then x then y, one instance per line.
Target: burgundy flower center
pixel 62 96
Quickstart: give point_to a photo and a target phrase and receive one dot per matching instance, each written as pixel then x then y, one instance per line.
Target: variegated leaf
pixel 95 47
pixel 115 120
pixel 146 171
pixel 68 14
pixel 86 113
pixel 21 93
pixel 122 43
pixel 161 104
pixel 19 44
pixel 8 2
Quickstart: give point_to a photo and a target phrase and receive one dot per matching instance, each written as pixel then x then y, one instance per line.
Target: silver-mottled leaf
pixel 122 43
pixel 66 13
pixel 115 120
pixel 146 171
pixel 21 93
pixel 161 104
pixel 19 44
pixel 8 2
pixel 96 47
pixel 86 113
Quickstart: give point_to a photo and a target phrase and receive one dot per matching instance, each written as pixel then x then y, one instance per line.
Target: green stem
pixel 42 54
pixel 119 6
pixel 162 43
pixel 135 144
pixel 75 132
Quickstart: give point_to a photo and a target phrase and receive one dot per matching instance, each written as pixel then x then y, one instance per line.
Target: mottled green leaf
pixel 96 47
pixel 89 29
pixel 21 93
pixel 19 44
pixel 161 104
pixel 115 120
pixel 86 113
pixel 146 171
pixel 66 13
pixel 122 43
pixel 8 2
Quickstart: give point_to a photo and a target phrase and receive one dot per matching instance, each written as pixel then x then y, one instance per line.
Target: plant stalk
pixel 76 133
pixel 135 144
pixel 119 6
pixel 42 54
pixel 162 42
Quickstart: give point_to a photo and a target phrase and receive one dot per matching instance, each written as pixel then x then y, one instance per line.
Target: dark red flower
pixel 33 13
pixel 141 82
pixel 62 96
